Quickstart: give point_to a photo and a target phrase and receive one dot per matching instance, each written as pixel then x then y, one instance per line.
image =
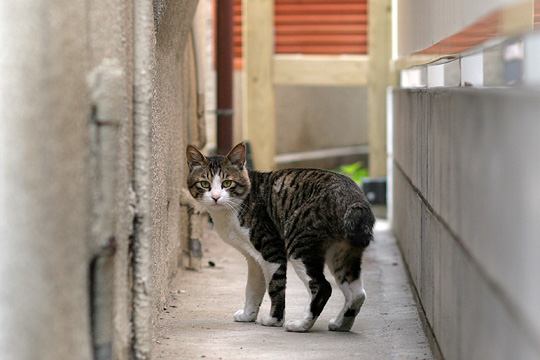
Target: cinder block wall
pixel 466 215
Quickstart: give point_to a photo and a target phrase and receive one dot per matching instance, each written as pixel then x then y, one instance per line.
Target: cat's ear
pixel 195 157
pixel 237 156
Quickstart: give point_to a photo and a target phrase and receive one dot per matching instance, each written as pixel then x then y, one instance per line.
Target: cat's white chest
pixel 229 229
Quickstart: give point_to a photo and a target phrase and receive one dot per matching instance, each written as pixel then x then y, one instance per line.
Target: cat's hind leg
pixel 276 280
pixel 272 259
pixel 345 262
pixel 310 271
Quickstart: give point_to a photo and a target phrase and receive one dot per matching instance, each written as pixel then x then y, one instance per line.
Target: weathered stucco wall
pixel 466 210
pixel 111 44
pixel 173 108
pixel 72 150
pixel 44 112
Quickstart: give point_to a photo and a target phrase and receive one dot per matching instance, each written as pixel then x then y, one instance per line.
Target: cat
pixel 308 217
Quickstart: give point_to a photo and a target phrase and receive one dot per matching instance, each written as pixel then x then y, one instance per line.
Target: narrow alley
pixel 117 125
pixel 197 322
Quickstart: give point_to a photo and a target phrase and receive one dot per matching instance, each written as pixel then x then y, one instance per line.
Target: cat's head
pixel 218 182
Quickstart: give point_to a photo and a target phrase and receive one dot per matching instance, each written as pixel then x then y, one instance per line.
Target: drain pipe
pixel 144 65
pixel 224 71
pixel 198 36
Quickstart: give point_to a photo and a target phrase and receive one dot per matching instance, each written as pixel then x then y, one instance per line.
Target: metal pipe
pixel 224 71
pixel 144 66
pixel 106 84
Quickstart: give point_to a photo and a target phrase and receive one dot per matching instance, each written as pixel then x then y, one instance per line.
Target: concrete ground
pixel 198 320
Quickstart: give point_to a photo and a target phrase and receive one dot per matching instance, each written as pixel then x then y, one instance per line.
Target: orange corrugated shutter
pixel 537 14
pixel 321 26
pixel 313 27
pixel 237 31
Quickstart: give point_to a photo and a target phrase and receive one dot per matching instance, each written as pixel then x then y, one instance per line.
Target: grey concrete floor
pixel 198 320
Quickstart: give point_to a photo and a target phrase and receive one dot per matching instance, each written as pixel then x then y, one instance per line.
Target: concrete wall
pixel 466 210
pixel 72 141
pixel 44 181
pixel 111 47
pixel 173 111
pixel 318 119
pixel 321 126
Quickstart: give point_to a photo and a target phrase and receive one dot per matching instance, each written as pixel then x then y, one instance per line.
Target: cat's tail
pixel 358 223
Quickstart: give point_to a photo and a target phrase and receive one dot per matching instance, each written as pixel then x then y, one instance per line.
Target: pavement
pixel 197 323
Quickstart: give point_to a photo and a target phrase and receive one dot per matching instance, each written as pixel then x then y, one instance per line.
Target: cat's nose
pixel 216 197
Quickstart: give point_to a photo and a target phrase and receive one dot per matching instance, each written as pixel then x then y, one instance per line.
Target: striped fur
pixel 308 216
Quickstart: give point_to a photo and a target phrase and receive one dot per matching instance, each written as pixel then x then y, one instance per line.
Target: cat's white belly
pixel 229 229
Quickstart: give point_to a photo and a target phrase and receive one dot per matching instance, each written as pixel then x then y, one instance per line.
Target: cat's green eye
pixel 227 183
pixel 204 184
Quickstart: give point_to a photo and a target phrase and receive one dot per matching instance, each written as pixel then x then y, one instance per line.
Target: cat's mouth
pixel 215 205
pixel 219 206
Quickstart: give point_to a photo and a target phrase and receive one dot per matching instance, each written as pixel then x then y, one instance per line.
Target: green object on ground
pixel 355 171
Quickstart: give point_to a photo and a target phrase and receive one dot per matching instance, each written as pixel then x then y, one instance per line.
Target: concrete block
pixel 423 119
pixel 500 197
pixel 414 136
pixel 469 320
pixel 478 170
pixel 446 297
pixel 407 224
pixel 487 329
pixel 452 73
pixel 430 264
pixel 401 116
pixel 407 130
pixel 399 106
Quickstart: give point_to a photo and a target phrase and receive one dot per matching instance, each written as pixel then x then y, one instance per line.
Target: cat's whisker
pixel 239 205
pixel 236 206
pixel 230 206
pixel 233 204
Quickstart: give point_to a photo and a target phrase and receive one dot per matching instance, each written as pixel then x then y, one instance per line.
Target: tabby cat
pixel 306 216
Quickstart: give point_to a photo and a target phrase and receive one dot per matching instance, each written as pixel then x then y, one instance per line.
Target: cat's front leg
pixel 255 289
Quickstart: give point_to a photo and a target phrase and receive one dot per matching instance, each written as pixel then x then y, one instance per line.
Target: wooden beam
pixel 258 33
pixel 379 33
pixel 321 70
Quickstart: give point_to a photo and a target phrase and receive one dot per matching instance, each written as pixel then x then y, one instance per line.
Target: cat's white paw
pixel 241 316
pixel 267 320
pixel 333 323
pixel 299 325
pixel 344 324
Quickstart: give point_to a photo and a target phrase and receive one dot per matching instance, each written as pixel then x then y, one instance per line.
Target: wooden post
pixel 379 51
pixel 258 56
pixel 518 18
